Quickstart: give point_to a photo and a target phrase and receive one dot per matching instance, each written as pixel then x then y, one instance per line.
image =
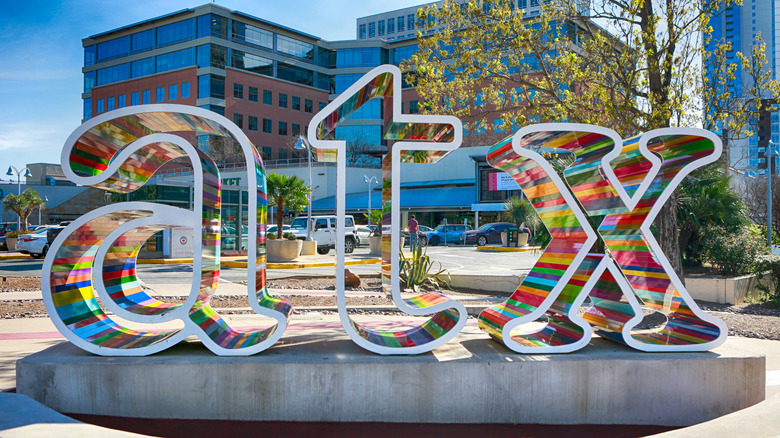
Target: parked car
pixel 271 229
pixel 444 233
pixel 423 230
pixel 488 233
pixel 363 233
pixel 6 227
pixel 324 232
pixel 34 244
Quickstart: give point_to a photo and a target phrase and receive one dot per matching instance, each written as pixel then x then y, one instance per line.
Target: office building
pixel 740 25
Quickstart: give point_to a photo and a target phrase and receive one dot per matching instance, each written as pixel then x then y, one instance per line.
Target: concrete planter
pixel 725 290
pixel 309 247
pixel 11 243
pixel 375 245
pixel 283 250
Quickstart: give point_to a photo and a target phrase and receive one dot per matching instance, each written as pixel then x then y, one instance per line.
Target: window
pixel 308 106
pixel 282 154
pixel 362 32
pixel 296 103
pixel 142 67
pixel 211 86
pixel 295 74
pixel 282 100
pixel 413 107
pixel 282 128
pixel 185 90
pixel 253 94
pixel 296 129
pixel 212 55
pixel 89 59
pixel 174 60
pixel 99 106
pixel 134 98
pixel 175 32
pixel 267 97
pixel 113 74
pixel 146 97
pixel 410 21
pixel 173 92
pixel 322 105
pixel 381 28
pixel 142 41
pixel 390 25
pixel 252 123
pixel 252 36
pixel 238 119
pixel 266 153
pixel 110 104
pixel 253 63
pixel 401 23
pixel 160 94
pixel 89 81
pixel 267 126
pixel 87 108
pixel 121 101
pixel 212 25
pixel 294 47
pixel 238 91
pixel 113 48
pixel 372 29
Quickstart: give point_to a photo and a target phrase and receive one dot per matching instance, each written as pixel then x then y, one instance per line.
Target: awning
pixel 441 198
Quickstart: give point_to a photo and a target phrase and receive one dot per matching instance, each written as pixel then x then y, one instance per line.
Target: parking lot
pixel 455 258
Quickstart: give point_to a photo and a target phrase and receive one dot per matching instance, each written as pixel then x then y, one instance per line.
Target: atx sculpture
pixel 627 182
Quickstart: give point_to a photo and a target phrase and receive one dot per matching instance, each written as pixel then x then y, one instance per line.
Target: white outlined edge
pixel 340 147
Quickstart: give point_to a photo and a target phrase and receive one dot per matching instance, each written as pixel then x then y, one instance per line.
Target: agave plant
pixel 417 270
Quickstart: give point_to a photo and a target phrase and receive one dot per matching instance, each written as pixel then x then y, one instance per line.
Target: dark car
pixel 488 233
pixel 6 227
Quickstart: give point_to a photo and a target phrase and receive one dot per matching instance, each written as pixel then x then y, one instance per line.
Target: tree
pixel 522 213
pixel 23 204
pixel 490 65
pixel 286 192
pixel 705 199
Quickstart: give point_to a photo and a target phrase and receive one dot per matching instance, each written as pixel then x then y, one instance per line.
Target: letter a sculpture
pixel 96 254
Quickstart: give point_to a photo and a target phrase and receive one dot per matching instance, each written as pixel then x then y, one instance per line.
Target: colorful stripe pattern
pixel 613 291
pixel 546 288
pixel 120 154
pixel 436 137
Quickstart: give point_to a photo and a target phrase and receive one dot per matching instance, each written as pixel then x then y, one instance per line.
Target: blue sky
pixel 41 57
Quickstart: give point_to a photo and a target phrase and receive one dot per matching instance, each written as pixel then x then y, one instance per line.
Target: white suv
pixel 323 230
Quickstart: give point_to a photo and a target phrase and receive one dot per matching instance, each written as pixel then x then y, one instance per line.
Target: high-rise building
pixel 740 25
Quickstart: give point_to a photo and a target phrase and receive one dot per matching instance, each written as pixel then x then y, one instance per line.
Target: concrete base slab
pixel 317 374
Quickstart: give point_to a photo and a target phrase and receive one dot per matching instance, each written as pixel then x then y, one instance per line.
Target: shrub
pixel 769 265
pixel 416 271
pixel 289 236
pixel 270 236
pixel 17 233
pixel 733 254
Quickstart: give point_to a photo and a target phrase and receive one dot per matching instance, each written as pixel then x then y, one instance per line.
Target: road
pixel 453 258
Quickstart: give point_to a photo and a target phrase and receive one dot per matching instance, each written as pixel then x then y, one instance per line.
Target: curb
pixel 508 249
pixel 269 265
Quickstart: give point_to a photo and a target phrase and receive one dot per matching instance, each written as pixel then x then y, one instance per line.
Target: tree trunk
pixel 666 224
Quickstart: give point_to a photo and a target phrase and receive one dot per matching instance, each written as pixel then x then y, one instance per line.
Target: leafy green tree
pixel 23 204
pixel 286 192
pixel 706 200
pixel 630 65
pixel 521 212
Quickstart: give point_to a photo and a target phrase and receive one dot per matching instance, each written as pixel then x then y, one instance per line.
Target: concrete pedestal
pixel 322 376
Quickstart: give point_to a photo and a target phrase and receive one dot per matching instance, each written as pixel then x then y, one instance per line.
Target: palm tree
pixel 23 204
pixel 521 212
pixel 286 192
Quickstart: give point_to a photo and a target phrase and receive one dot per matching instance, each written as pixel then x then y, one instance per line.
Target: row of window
pixel 173 91
pixel 267 125
pixel 284 102
pixel 379 28
pixel 202 26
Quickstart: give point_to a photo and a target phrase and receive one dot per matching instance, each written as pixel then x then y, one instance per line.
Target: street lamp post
pixel 303 143
pixel 370 181
pixel 27 174
pixel 45 200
